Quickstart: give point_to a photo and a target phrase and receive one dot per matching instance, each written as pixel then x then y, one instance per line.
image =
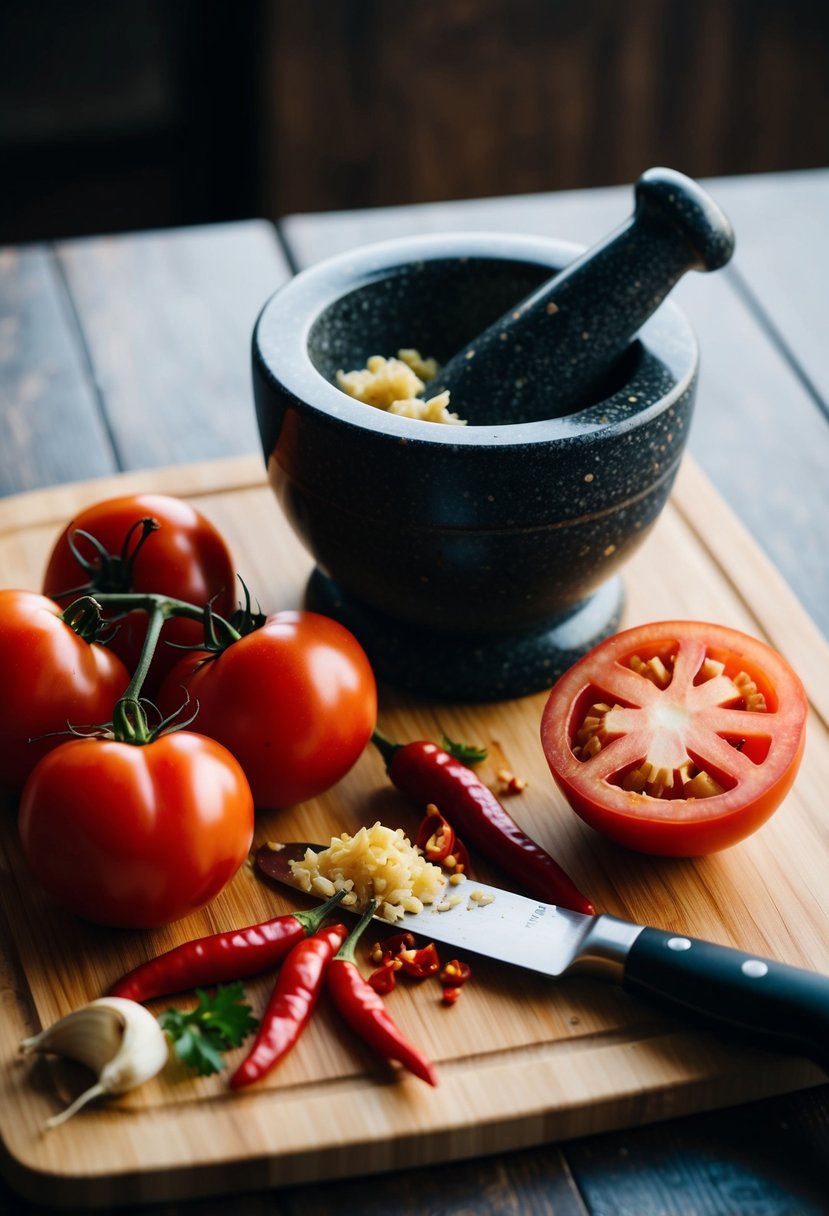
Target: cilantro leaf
pixel 221 1020
pixel 467 753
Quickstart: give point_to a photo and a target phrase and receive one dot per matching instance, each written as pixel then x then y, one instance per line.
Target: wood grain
pixel 51 425
pixel 778 217
pixel 522 1061
pixel 167 319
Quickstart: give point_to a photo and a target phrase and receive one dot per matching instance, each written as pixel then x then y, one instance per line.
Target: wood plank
pixel 757 431
pixel 167 318
pixel 784 260
pixel 51 425
pixel 582 216
pixel 766 1158
pixel 527 1063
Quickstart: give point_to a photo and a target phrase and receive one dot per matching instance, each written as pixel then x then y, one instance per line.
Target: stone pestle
pixel 552 353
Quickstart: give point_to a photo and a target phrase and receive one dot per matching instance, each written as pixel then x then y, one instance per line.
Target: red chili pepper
pixel 440 842
pixel 402 952
pixel 455 973
pixel 426 773
pixel 450 994
pixel 222 956
pixel 291 1003
pixel 384 980
pixel 363 1010
pixel 435 836
pixel 420 963
pixel 392 946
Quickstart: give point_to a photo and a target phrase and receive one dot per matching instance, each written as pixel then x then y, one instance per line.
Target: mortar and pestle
pixel 478 562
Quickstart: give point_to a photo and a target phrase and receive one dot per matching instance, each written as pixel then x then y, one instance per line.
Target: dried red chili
pixel 363 1010
pixel 222 956
pixel 428 774
pixel 291 1004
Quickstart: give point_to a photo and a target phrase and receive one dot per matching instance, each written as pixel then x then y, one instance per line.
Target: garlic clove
pixel 118 1039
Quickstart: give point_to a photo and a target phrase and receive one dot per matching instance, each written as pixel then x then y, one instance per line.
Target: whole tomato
pixel 136 835
pixel 50 679
pixel 185 557
pixel 295 701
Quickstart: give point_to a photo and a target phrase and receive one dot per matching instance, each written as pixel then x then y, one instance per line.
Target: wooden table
pixel 129 352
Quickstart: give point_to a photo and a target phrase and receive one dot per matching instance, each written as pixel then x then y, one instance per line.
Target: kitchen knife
pixel 774 1004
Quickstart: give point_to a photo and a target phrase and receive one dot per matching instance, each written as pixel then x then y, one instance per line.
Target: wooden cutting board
pixel 522 1060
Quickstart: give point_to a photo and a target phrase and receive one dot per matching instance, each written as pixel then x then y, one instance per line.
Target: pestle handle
pixel 670 197
pixel 548 356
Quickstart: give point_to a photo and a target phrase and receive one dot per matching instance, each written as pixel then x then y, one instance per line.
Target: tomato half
pixel 186 558
pixel 295 701
pixel 50 679
pixel 135 836
pixel 677 738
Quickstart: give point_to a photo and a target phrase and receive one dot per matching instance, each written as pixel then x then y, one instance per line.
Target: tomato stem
pixel 129 721
pixel 157 614
pixel 84 617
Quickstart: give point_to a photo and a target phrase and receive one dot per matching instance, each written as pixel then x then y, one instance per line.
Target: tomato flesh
pixel 677 738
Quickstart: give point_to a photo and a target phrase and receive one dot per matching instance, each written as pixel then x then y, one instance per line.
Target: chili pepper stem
pixel 312 919
pixel 346 952
pixel 385 747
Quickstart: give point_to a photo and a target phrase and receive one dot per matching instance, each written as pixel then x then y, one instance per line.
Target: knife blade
pixel 770 1002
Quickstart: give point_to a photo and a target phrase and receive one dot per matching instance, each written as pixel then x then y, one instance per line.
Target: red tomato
pixel 677 738
pixel 50 679
pixel 134 836
pixel 186 558
pixel 295 701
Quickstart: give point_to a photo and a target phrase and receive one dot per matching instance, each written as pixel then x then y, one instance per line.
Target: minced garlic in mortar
pixel 376 863
pixel 395 385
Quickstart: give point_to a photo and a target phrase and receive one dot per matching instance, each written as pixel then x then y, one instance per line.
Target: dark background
pixel 147 113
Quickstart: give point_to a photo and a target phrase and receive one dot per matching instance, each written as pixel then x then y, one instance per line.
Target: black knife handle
pixel 769 1002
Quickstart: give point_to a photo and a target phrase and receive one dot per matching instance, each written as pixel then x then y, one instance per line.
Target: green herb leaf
pixel 220 1021
pixel 465 752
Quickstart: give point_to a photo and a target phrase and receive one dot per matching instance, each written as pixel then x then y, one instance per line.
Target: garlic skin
pixel 118 1039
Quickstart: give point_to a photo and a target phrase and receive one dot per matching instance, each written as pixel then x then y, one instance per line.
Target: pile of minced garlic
pixel 395 385
pixel 376 863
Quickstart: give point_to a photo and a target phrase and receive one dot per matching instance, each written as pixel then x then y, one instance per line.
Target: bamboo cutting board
pixel 522 1060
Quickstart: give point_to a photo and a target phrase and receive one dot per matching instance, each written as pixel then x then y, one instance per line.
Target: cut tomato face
pixel 677 738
